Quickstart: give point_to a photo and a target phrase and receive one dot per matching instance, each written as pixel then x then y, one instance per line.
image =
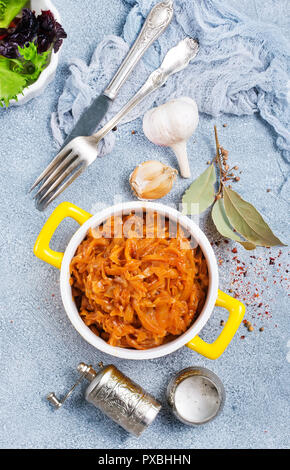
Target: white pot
pixel 47 75
pixel 214 297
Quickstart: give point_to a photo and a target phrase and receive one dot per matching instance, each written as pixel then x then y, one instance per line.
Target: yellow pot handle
pixel 41 247
pixel 236 313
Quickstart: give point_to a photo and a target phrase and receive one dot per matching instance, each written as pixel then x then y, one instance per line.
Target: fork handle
pixel 156 22
pixel 176 59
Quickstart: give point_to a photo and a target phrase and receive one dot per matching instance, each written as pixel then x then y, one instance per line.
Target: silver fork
pixel 80 152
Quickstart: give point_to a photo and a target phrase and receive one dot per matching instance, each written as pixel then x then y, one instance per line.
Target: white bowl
pixel 72 310
pixel 47 75
pixel 214 297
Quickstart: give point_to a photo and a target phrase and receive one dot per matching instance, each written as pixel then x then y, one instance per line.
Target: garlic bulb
pixel 171 124
pixel 152 180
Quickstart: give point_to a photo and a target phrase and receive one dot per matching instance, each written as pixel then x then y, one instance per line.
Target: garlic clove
pixel 152 180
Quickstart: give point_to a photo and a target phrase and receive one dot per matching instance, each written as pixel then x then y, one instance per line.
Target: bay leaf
pixel 224 227
pixel 200 194
pixel 247 220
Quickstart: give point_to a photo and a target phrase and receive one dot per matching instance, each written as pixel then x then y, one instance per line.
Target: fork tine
pixel 54 185
pixel 62 154
pixel 56 172
pixel 75 175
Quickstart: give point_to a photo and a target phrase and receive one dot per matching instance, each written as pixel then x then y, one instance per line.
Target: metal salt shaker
pixel 124 401
pixel 212 381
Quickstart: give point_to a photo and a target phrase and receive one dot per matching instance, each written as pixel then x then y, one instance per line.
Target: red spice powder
pixel 248 283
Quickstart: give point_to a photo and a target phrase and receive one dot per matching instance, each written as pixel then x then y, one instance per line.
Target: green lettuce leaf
pixel 33 63
pixel 8 10
pixel 17 74
pixel 11 83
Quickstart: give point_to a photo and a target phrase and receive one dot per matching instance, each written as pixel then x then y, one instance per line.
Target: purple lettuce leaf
pixel 50 32
pixel 44 30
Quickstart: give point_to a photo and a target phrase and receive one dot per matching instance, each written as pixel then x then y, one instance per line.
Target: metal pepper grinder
pixel 124 401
